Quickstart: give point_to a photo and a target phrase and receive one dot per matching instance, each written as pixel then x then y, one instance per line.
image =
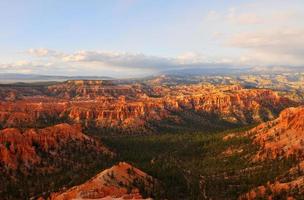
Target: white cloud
pixel 267 32
pixel 44 52
pixel 119 64
pixel 191 58
pixel 281 41
pixel 284 47
pixel 121 59
pixel 20 67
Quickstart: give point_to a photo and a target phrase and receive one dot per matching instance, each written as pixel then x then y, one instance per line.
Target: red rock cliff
pixel 20 148
pixel 125 106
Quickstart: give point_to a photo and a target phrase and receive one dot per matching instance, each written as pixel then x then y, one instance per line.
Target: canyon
pixel 134 107
pixel 152 100
pixel 74 139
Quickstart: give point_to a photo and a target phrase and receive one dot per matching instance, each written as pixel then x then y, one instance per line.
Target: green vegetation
pixel 73 164
pixel 193 165
pixel 189 163
pixel 189 121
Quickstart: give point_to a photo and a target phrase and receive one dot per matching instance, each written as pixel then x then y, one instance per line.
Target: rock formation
pixel 121 181
pixel 134 106
pixel 282 138
pixel 22 148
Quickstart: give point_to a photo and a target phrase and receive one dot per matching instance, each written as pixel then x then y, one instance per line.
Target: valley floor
pixel 197 165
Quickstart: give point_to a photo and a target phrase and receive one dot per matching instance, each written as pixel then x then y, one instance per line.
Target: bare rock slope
pixel 122 181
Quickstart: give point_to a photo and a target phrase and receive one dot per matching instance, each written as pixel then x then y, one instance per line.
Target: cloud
pixel 120 59
pixel 256 15
pixel 264 33
pixel 42 52
pixel 128 60
pixel 191 58
pixel 111 63
pixel 272 46
pixel 23 67
pixel 289 41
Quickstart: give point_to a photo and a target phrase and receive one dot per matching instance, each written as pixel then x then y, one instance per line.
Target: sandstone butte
pixel 117 182
pixel 105 104
pixel 281 138
pixel 20 147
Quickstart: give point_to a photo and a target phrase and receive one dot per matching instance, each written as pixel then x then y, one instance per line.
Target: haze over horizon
pixel 130 38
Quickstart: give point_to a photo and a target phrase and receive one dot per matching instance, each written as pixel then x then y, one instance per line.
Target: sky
pixel 131 38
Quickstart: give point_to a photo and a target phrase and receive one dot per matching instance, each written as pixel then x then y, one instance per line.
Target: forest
pixel 194 166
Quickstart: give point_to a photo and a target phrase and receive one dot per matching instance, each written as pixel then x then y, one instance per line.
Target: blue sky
pixel 138 37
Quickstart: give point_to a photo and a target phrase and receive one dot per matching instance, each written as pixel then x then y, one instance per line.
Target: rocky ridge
pixel 22 148
pixel 282 138
pixel 122 181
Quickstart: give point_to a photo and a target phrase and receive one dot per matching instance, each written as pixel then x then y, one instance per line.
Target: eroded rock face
pixel 292 190
pixel 121 181
pixel 282 137
pixel 133 106
pixel 289 186
pixel 22 148
pixel 31 112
